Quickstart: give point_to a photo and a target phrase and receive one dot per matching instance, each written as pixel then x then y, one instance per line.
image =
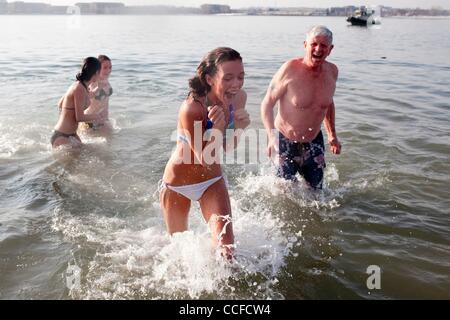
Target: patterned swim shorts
pixel 308 159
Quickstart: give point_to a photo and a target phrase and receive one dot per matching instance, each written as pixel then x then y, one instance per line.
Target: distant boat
pixel 363 17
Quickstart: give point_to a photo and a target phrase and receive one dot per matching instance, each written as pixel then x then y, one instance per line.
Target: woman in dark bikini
pixel 100 91
pixel 73 104
pixel 217 102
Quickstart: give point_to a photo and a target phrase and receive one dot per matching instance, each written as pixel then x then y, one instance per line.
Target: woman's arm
pixel 79 99
pixel 241 116
pixel 191 118
pixel 60 103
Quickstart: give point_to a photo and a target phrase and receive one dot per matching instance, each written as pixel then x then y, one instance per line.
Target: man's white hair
pixel 320 31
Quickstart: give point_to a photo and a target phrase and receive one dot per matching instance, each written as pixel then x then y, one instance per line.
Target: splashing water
pixel 125 256
pixel 130 263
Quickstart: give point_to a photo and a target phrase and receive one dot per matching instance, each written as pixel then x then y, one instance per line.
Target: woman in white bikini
pixel 73 104
pixel 215 102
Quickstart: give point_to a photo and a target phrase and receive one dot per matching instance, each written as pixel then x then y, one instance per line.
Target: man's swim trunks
pixel 306 158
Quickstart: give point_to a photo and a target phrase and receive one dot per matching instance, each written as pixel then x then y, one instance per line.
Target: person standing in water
pixel 100 91
pixel 73 104
pixel 216 102
pixel 305 88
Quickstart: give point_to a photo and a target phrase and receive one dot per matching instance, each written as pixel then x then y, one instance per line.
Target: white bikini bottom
pixel 194 191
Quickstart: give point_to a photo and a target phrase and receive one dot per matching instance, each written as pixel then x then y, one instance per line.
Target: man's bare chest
pixel 310 93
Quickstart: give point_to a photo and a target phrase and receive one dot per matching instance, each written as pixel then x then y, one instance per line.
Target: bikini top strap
pixel 200 103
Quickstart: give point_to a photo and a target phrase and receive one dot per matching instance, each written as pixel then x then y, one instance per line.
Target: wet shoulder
pixel 288 72
pixel 74 89
pixel 191 110
pixel 332 69
pixel 78 88
pixel 291 65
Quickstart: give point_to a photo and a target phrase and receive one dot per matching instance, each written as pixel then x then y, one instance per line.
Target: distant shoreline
pixel 218 15
pixel 118 8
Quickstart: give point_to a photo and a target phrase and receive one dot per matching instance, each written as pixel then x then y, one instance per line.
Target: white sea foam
pixel 135 258
pixel 267 186
pixel 147 263
pixel 17 140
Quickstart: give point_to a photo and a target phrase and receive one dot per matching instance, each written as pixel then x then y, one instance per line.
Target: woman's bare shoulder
pixel 191 109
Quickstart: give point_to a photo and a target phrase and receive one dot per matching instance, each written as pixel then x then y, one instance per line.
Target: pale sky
pixel 426 4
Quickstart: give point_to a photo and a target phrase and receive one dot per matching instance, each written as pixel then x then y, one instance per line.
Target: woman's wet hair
pixel 103 58
pixel 198 86
pixel 89 68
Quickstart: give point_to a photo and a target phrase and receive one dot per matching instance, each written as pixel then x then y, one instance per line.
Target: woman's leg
pixel 216 209
pixel 176 210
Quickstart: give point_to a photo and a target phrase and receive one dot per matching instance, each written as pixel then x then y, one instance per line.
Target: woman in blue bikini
pixel 215 102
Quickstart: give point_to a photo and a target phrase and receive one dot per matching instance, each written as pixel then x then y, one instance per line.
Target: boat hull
pixel 357 21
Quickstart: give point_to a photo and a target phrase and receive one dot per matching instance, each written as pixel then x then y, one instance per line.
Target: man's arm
pixel 276 90
pixel 329 123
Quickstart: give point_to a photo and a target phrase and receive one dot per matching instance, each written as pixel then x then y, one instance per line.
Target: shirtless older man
pixel 305 88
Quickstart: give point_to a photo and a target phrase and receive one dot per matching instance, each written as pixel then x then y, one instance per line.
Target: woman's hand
pixel 216 115
pixel 242 117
